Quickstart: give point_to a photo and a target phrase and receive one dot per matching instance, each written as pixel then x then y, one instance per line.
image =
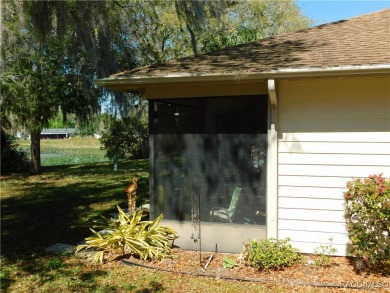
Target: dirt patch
pixel 342 272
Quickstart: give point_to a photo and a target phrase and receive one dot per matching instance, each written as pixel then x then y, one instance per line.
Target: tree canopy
pixel 53 50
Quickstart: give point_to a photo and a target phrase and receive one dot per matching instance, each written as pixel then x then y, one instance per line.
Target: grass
pixel 64 200
pixel 76 150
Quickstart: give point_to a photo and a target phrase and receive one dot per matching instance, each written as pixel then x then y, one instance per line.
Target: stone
pixel 61 248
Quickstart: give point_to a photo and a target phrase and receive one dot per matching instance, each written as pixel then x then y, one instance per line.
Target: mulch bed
pixel 341 272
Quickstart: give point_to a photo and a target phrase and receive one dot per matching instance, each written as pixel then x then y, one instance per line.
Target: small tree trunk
pixel 35 151
pixel 115 161
pixel 193 39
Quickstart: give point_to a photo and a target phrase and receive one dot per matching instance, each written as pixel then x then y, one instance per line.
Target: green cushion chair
pixel 226 215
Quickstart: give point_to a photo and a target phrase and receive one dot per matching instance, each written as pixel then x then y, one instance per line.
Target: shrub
pixel 144 239
pixel 126 139
pixel 368 217
pixel 12 160
pixel 270 254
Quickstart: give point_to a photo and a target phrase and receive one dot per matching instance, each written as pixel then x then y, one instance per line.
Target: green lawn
pixel 76 150
pixel 58 205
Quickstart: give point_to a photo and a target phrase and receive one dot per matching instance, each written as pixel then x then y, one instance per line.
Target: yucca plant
pixel 131 235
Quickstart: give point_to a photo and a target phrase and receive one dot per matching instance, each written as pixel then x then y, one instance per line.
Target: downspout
pixel 272 93
pixel 272 164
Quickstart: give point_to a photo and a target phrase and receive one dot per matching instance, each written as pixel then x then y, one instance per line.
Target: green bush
pixel 12 160
pixel 126 139
pixel 144 239
pixel 270 254
pixel 368 218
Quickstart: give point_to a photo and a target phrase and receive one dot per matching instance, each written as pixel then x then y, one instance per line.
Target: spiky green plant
pixel 144 239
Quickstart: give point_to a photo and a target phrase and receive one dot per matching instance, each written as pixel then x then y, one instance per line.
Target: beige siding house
pixel 330 130
pixel 326 91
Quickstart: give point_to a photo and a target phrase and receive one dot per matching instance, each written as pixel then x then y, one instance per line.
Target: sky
pixel 333 10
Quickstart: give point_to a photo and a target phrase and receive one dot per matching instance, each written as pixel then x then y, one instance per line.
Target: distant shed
pixel 57 133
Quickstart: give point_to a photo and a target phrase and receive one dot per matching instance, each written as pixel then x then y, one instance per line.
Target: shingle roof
pixel 363 40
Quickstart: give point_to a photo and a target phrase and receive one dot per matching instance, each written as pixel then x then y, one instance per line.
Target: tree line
pixel 52 51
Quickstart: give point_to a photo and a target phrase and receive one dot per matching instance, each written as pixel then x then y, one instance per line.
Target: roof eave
pixel 138 83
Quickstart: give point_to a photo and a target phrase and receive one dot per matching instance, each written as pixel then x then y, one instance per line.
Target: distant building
pixel 56 133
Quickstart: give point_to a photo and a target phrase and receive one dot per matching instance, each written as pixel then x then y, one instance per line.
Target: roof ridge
pixel 369 13
pixel 314 27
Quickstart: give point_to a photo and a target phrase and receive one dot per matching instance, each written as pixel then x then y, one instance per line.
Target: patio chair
pixel 223 214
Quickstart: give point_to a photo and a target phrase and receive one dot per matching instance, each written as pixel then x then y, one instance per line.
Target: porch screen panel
pixel 204 150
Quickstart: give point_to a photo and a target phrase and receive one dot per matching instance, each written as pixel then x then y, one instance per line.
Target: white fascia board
pixel 138 82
